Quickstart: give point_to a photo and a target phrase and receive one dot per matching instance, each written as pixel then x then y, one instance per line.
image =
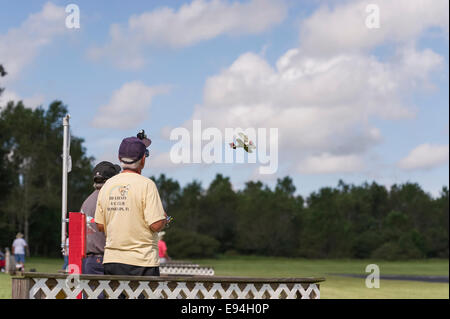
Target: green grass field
pixel 335 287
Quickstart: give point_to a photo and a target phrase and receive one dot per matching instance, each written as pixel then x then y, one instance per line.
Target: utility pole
pixel 65 170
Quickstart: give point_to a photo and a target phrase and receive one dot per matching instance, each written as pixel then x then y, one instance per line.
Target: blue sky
pixel 350 102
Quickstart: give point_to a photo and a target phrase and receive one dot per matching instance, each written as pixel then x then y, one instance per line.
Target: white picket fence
pixel 58 286
pixel 185 270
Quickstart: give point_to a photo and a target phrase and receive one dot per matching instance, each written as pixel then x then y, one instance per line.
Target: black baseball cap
pixel 105 170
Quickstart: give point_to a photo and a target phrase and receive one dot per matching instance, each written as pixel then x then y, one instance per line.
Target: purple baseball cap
pixel 133 149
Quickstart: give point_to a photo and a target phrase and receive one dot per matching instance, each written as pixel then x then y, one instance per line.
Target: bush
pixel 364 244
pixel 401 250
pixel 187 244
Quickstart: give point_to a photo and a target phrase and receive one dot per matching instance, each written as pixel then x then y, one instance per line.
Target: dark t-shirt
pixel 95 240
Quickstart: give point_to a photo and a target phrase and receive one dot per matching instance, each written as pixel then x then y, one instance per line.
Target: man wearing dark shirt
pixel 95 240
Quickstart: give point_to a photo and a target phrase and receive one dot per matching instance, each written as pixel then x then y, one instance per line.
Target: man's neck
pixel 132 171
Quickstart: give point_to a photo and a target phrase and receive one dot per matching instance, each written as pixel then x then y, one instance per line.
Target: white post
pixel 64 180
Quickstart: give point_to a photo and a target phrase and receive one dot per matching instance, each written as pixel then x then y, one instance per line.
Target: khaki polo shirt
pixel 127 205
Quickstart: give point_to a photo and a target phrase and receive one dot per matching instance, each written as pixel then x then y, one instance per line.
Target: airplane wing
pixel 244 137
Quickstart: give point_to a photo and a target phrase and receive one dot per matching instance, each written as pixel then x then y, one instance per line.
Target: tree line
pixel 345 221
pixel 31 176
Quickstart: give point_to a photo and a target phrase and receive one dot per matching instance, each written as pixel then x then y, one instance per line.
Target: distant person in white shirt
pixel 18 249
pixel 66 255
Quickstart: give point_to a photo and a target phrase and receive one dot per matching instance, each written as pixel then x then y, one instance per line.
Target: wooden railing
pixel 60 286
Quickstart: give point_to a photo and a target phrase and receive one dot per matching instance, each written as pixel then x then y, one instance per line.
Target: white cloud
pixel 325 105
pixel 327 163
pixel 30 102
pixel 425 156
pixel 192 23
pixel 321 105
pixel 19 46
pixel 127 106
pixel 161 161
pixel 343 29
pixel 106 149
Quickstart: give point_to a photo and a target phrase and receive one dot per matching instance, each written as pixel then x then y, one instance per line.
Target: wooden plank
pixel 21 287
pixel 182 278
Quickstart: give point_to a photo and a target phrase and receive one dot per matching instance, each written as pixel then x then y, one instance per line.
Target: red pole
pixel 77 242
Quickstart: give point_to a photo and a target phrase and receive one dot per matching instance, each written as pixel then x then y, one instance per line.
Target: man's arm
pixel 154 212
pixel 99 216
pixel 100 227
pixel 158 226
pixel 167 256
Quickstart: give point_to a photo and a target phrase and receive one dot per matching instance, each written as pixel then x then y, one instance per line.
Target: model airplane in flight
pixel 244 143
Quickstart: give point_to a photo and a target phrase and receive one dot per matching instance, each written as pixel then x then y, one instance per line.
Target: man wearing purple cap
pixel 130 212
